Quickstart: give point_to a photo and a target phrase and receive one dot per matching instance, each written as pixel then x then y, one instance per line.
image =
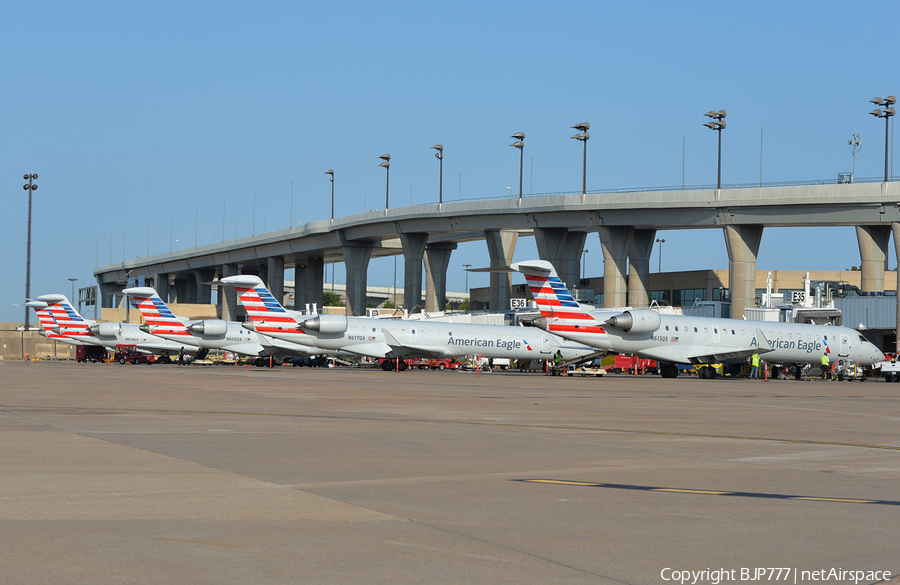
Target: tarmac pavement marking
pixel 647 488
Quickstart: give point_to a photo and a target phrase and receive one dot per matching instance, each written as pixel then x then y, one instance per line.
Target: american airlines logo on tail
pixel 70 323
pixel 262 307
pixel 562 312
pixel 156 313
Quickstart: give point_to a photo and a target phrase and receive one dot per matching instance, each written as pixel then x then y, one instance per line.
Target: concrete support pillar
pixel 574 251
pixel 742 242
pixel 873 246
pixel 108 295
pixel 551 247
pixel 161 284
pixel 501 247
pixel 228 295
pixel 614 242
pixel 639 248
pixel 275 278
pixel 190 289
pixel 437 258
pixel 308 284
pixel 179 286
pixel 356 261
pixel 413 252
pixel 203 276
pixel 895 227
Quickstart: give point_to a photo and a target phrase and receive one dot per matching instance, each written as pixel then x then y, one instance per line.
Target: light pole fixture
pixel 467 266
pixel 330 172
pixel 717 124
pixel 583 258
pixel 660 242
pixel 387 189
pixel 72 280
pixel 583 136
pixel 855 146
pixel 440 156
pixel 520 144
pixel 886 113
pixel 30 187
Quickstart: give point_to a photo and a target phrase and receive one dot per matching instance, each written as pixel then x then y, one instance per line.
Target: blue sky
pixel 137 117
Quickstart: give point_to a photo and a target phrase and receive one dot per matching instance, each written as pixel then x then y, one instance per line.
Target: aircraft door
pixel 845 346
pixel 545 344
pixel 715 335
pixel 412 334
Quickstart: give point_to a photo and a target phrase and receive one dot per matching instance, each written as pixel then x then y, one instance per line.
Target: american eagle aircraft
pixel 71 324
pixel 679 339
pixel 389 338
pixel 210 333
pixel 49 324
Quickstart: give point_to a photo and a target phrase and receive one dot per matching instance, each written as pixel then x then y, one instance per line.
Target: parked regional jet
pixel 49 323
pixel 389 338
pixel 71 324
pixel 678 339
pixel 211 333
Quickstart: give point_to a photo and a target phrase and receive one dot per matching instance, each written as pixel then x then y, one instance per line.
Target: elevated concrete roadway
pixel 625 221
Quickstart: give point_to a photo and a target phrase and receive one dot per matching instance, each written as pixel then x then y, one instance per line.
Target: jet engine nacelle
pixel 106 329
pixel 326 323
pixel 636 321
pixel 539 322
pixel 211 327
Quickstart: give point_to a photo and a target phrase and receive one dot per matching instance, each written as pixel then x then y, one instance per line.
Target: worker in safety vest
pixel 754 369
pixel 826 367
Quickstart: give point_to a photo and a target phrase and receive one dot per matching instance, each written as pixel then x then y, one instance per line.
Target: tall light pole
pixel 331 172
pixel 886 113
pixel 660 242
pixel 520 144
pixel 583 137
pixel 467 266
pixel 855 146
pixel 440 156
pixel 718 124
pixel 387 189
pixel 583 258
pixel 30 187
pixel 72 280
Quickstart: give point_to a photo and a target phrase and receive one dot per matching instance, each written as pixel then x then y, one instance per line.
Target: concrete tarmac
pixel 220 475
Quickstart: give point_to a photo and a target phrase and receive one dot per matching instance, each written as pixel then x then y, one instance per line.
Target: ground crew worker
pixel 754 369
pixel 825 366
pixel 181 357
pixel 557 361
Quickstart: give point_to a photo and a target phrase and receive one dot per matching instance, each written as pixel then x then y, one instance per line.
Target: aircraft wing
pixel 733 353
pixel 405 351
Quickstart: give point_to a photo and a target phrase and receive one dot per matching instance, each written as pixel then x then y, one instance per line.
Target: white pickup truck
pixel 888 369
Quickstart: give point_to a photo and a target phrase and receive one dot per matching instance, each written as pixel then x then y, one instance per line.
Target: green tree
pixel 330 299
pixel 389 305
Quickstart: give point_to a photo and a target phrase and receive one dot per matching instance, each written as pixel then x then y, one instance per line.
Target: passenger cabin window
pixel 695 330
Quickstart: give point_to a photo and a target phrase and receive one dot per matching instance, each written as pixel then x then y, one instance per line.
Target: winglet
pixel 764 345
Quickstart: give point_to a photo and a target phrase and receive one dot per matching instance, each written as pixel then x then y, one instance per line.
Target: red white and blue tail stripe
pixel 70 322
pixel 262 307
pixel 563 313
pixel 156 313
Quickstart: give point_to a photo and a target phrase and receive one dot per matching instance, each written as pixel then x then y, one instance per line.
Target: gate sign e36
pixel 517 304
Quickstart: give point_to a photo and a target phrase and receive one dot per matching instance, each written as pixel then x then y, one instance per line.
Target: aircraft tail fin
pixel 262 307
pixel 68 319
pixel 552 298
pixel 155 312
pixel 46 319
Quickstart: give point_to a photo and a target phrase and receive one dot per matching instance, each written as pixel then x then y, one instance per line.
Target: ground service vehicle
pixel 90 353
pixel 131 354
